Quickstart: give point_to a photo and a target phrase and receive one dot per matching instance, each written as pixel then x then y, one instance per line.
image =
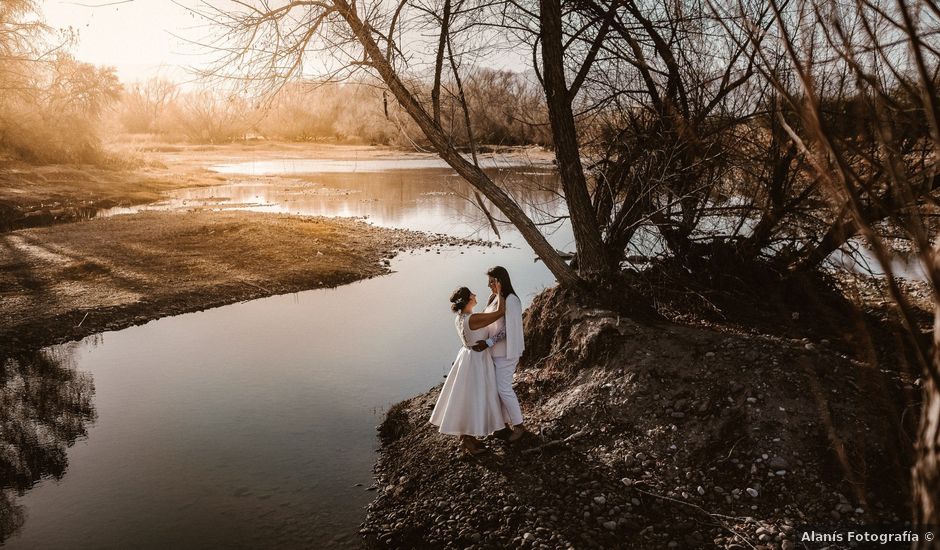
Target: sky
pixel 147 38
pixel 136 37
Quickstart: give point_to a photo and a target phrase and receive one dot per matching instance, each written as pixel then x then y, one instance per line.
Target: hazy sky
pixel 135 37
pixel 141 38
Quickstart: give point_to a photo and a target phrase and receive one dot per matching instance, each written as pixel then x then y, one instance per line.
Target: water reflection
pixel 435 200
pixel 45 406
pixel 253 425
pixel 324 166
pixel 411 195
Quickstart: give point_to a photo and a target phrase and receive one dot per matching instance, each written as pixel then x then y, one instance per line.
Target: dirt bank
pixel 67 281
pixel 33 196
pixel 650 433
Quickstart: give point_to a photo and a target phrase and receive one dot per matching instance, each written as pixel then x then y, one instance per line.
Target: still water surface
pixel 253 425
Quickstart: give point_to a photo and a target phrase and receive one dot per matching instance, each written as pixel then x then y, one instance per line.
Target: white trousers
pixel 505 369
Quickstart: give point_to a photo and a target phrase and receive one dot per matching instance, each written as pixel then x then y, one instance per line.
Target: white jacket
pixel 513 345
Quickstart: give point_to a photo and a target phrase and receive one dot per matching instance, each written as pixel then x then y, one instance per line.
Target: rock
pixel 700 490
pixel 600 500
pixel 779 463
pixel 610 525
pixel 753 492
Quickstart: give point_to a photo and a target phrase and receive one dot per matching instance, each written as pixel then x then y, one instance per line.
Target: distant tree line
pixel 505 109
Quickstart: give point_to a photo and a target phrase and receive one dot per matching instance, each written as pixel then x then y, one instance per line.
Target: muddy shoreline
pixel 65 282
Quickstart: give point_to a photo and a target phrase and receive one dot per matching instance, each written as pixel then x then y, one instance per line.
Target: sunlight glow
pixel 141 38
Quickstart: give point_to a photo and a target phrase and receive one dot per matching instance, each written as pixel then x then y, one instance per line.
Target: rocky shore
pixel 653 433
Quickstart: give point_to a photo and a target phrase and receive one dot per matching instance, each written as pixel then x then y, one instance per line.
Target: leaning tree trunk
pixel 926 474
pixel 592 255
pixel 564 273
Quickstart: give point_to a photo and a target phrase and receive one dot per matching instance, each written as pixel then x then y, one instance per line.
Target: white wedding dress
pixel 469 403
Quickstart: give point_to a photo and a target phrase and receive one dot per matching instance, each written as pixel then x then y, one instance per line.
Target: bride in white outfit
pixel 506 344
pixel 469 404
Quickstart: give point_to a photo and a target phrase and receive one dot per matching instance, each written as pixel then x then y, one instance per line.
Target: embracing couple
pixel 477 398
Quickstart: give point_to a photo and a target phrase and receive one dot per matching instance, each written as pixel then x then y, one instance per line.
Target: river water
pixel 253 425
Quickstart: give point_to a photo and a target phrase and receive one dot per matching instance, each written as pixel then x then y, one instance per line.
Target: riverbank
pixel 654 431
pixel 144 171
pixel 68 281
pixel 67 274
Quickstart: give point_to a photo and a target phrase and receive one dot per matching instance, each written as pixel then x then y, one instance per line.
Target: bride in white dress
pixel 469 404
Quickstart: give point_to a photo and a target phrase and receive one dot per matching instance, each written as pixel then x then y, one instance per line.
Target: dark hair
pixel 500 274
pixel 459 299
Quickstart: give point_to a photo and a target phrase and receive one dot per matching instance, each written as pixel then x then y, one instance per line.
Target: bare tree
pixel 881 165
pixel 211 116
pixel 21 36
pixel 657 117
pixel 275 42
pixel 144 104
pixel 668 85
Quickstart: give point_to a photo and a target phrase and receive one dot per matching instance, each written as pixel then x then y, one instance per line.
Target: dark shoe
pixel 517 433
pixel 472 446
pixel 503 434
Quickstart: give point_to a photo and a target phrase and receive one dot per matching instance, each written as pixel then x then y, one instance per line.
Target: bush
pixel 56 117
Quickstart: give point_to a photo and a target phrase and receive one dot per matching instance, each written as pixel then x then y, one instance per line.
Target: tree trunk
pixel 926 472
pixel 565 275
pixel 592 255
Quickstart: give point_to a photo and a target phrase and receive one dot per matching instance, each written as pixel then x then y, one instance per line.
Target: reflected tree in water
pixel 45 406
